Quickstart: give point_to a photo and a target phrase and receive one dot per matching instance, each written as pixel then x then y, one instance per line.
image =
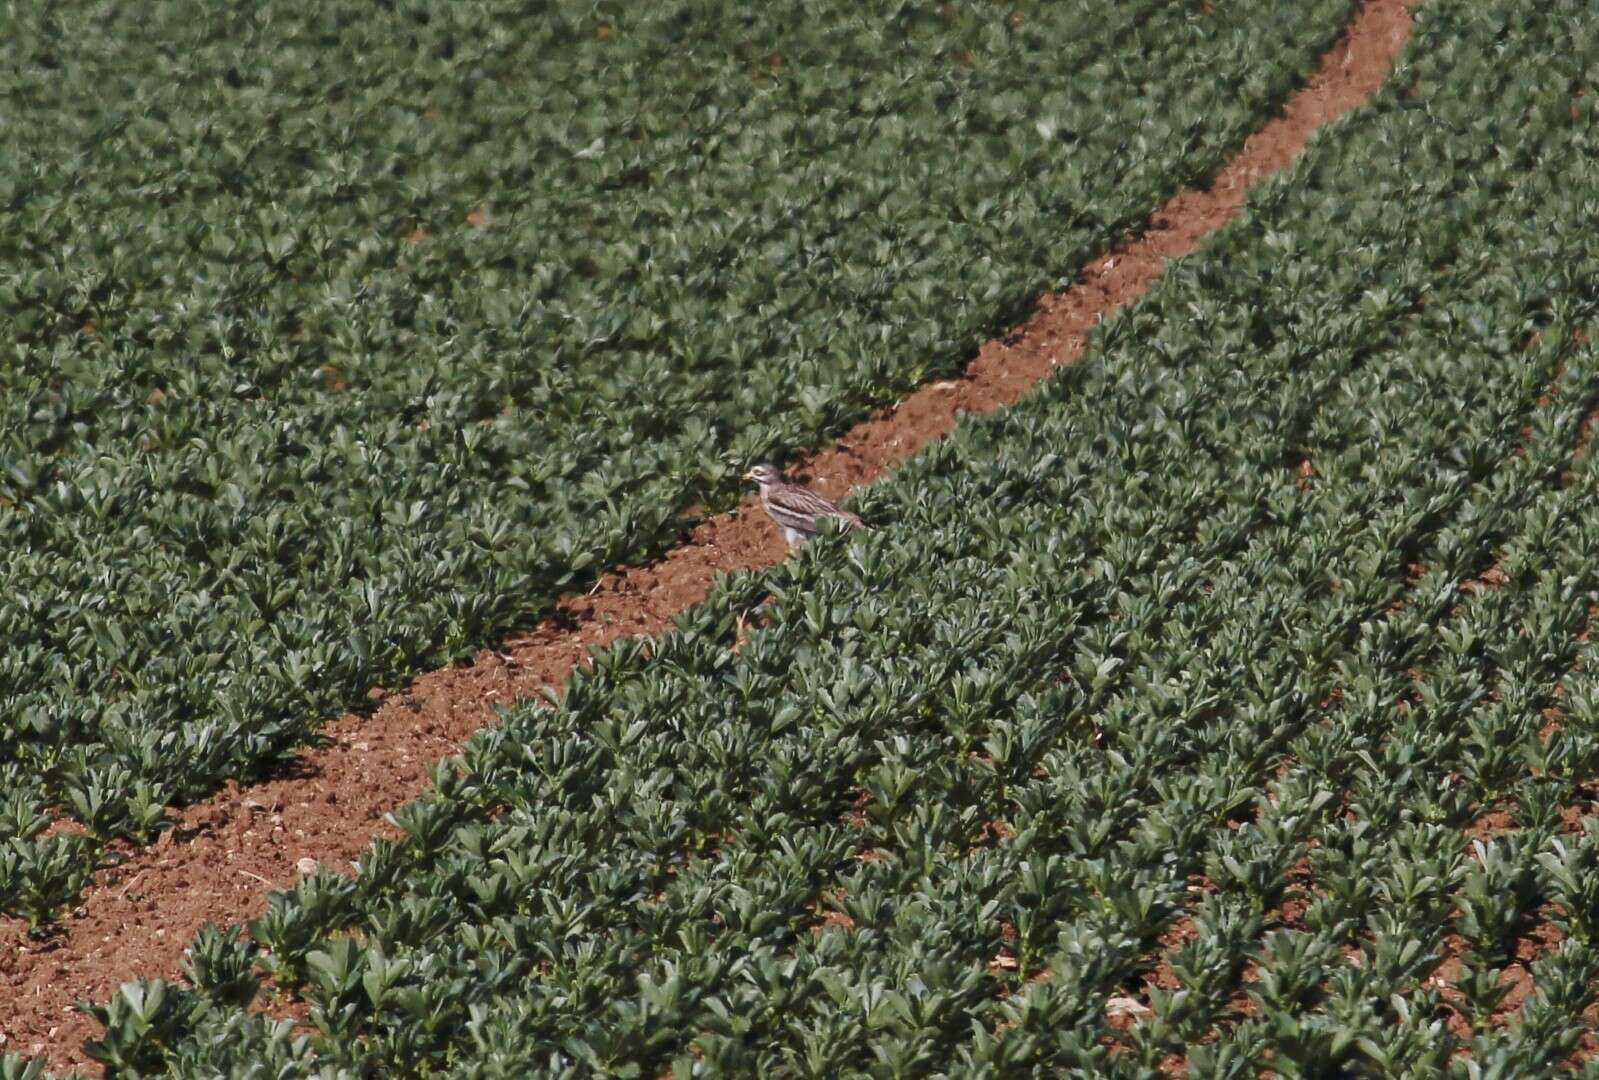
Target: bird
pixel 797 511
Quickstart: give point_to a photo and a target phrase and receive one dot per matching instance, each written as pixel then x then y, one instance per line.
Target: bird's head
pixel 764 475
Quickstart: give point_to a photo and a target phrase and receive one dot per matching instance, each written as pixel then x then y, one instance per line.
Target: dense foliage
pixel 339 338
pixel 1183 680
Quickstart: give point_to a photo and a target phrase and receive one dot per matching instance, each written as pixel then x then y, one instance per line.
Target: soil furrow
pixel 224 855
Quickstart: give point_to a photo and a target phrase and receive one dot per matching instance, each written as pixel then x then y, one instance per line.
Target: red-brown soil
pixel 227 852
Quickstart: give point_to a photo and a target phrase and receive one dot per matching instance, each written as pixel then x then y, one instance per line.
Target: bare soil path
pixel 226 853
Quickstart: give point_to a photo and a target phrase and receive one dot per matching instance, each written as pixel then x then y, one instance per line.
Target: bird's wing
pixel 798 508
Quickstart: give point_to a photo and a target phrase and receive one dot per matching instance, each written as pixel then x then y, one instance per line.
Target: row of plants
pixel 341 341
pixel 1181 681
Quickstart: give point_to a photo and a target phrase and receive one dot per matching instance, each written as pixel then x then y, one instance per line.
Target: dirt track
pixel 226 853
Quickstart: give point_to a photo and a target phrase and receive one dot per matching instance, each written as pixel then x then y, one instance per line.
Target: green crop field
pixel 1241 672
pixel 339 339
